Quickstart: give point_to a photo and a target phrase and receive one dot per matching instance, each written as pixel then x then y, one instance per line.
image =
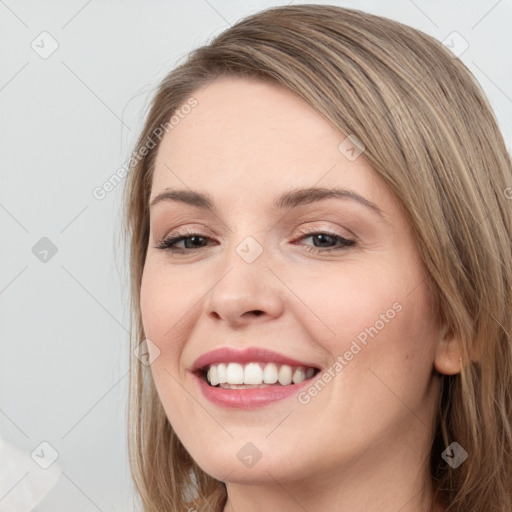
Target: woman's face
pixel 278 277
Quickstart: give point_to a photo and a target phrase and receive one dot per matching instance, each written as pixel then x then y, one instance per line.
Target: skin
pixel 360 443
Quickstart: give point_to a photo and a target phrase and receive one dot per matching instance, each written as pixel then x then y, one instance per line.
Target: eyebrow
pixel 291 199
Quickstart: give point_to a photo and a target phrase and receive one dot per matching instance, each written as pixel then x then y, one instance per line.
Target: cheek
pixel 165 300
pixel 171 306
pixel 381 349
pixel 152 303
pixel 376 317
pixel 165 304
pixel 343 302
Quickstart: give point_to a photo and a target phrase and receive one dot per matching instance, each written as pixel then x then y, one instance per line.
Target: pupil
pixel 191 241
pixel 321 236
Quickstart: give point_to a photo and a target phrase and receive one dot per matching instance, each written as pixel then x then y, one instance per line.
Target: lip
pixel 247 398
pixel 248 355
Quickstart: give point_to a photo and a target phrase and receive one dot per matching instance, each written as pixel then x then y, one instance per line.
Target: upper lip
pixel 248 355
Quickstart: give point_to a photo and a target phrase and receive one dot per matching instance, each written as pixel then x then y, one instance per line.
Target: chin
pixel 240 462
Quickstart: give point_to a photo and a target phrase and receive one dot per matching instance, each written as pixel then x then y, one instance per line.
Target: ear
pixel 448 354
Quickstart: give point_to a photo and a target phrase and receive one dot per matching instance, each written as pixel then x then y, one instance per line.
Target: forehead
pixel 256 137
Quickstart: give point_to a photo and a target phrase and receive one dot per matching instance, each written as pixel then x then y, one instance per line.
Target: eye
pixel 194 241
pixel 325 237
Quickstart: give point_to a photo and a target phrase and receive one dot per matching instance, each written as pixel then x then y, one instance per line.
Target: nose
pixel 246 293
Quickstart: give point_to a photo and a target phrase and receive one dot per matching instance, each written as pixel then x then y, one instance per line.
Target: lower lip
pixel 248 398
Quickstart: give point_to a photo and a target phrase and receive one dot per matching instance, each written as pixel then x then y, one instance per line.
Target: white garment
pixel 23 482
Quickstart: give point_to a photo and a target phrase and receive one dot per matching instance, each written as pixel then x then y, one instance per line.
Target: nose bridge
pixel 250 249
pixel 248 240
pixel 246 284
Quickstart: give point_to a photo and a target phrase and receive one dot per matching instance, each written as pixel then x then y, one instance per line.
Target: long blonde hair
pixel 430 133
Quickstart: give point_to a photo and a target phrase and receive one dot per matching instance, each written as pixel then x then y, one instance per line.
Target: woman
pixel 321 263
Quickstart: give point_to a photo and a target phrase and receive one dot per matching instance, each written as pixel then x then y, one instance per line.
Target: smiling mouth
pixel 231 375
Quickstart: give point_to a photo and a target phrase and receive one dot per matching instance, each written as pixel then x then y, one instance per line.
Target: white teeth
pixel 285 375
pixel 253 374
pixel 270 373
pixel 235 374
pixel 299 375
pixel 222 373
pixel 256 374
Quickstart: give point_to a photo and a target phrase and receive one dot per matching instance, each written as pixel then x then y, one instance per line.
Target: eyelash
pixel 168 244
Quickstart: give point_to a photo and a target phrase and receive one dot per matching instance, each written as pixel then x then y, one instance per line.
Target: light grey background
pixel 67 123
